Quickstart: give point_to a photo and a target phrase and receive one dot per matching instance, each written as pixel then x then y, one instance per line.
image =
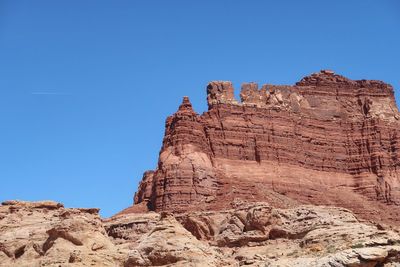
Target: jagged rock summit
pixel 327 140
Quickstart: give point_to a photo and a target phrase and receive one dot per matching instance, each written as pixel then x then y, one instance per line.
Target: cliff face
pixel 326 140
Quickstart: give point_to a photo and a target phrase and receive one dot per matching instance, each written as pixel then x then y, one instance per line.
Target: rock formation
pixel 47 234
pixel 326 140
pixel 303 175
pixel 251 234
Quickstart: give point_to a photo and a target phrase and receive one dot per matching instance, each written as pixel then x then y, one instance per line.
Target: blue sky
pixel 86 86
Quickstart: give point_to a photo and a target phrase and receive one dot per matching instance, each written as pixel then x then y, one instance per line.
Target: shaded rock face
pixel 327 140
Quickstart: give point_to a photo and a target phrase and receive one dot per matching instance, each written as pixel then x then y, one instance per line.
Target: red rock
pixel 326 140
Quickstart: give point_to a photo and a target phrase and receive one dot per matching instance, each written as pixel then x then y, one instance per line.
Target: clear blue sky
pixel 86 86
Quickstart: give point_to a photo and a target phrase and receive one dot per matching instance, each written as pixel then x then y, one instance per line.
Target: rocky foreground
pixel 250 234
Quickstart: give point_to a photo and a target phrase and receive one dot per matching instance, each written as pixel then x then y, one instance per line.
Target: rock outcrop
pixel 326 140
pixel 251 234
pixel 47 234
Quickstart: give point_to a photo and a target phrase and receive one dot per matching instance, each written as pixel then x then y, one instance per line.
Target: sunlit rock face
pixel 34 234
pixel 326 140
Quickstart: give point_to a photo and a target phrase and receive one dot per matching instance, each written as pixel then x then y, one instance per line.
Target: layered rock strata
pixel 326 140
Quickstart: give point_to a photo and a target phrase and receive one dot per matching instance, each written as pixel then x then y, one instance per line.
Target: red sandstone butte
pixel 326 140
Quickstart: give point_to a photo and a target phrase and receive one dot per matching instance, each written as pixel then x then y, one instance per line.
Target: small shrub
pixel 293 253
pixel 358 245
pixel 331 249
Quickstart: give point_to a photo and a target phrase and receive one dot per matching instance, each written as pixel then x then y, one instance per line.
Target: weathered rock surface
pixel 256 234
pixel 327 140
pixel 47 234
pixel 253 234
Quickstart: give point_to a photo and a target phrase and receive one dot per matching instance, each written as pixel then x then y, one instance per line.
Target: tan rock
pixel 252 234
pixel 46 234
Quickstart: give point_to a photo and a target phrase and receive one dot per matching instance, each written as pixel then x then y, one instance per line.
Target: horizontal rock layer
pixel 326 140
